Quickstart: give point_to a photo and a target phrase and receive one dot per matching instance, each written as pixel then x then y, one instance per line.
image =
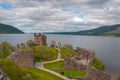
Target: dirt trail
pixel 41 66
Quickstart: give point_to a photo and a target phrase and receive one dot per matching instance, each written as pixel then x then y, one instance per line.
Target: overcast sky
pixel 59 15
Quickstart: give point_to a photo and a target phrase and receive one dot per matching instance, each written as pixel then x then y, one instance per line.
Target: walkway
pixel 40 65
pixel 54 73
pixel 58 57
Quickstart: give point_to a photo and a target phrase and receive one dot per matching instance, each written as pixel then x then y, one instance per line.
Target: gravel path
pixel 40 65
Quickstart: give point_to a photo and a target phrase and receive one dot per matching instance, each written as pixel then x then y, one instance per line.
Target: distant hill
pixel 8 29
pixel 113 30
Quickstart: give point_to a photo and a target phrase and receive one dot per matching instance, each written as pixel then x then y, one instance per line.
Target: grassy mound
pixel 20 73
pixel 44 53
pixel 97 64
pixel 58 67
pixel 68 53
pixel 12 70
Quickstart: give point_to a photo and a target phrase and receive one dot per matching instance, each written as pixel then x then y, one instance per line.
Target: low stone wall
pixel 3 76
pixel 94 74
pixel 23 58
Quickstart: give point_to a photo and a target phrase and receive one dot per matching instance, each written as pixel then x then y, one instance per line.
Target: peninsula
pixel 34 59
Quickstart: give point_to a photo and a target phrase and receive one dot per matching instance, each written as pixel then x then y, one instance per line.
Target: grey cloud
pixel 49 16
pixel 97 3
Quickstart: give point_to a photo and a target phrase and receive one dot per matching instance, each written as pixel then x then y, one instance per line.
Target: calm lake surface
pixel 107 48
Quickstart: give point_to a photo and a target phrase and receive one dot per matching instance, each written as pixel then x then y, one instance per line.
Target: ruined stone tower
pixel 39 39
pixel 23 58
pixel 81 62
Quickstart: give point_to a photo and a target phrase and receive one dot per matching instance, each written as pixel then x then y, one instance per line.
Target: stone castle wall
pixel 72 64
pixel 81 62
pixel 39 39
pixel 23 58
pixel 92 74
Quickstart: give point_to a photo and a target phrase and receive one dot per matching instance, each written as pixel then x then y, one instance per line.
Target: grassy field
pixel 12 70
pixel 42 53
pixel 58 67
pixel 37 74
pixel 67 53
pixel 45 53
pixel 20 73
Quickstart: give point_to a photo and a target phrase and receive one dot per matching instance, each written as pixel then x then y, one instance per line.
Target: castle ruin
pixel 39 39
pixel 94 74
pixel 82 62
pixel 23 58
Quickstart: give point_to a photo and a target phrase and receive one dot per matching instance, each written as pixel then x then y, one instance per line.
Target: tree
pixel 29 43
pixel 5 49
pixel 5 46
pixel 67 46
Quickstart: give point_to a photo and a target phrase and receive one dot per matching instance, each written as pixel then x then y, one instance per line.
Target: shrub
pixel 98 64
pixel 118 78
pixel 67 46
pixel 5 46
pixel 5 49
pixel 29 42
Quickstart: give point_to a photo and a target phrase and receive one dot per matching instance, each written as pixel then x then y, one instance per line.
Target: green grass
pixel 37 74
pixel 4 54
pixel 58 67
pixel 42 53
pixel 68 53
pixel 45 53
pixel 20 73
pixel 25 49
pixel 12 70
pixel 38 59
pixel 97 64
pixel 74 73
pixel 59 64
pixel 118 78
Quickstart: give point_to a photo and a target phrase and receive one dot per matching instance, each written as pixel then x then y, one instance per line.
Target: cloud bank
pixel 34 16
